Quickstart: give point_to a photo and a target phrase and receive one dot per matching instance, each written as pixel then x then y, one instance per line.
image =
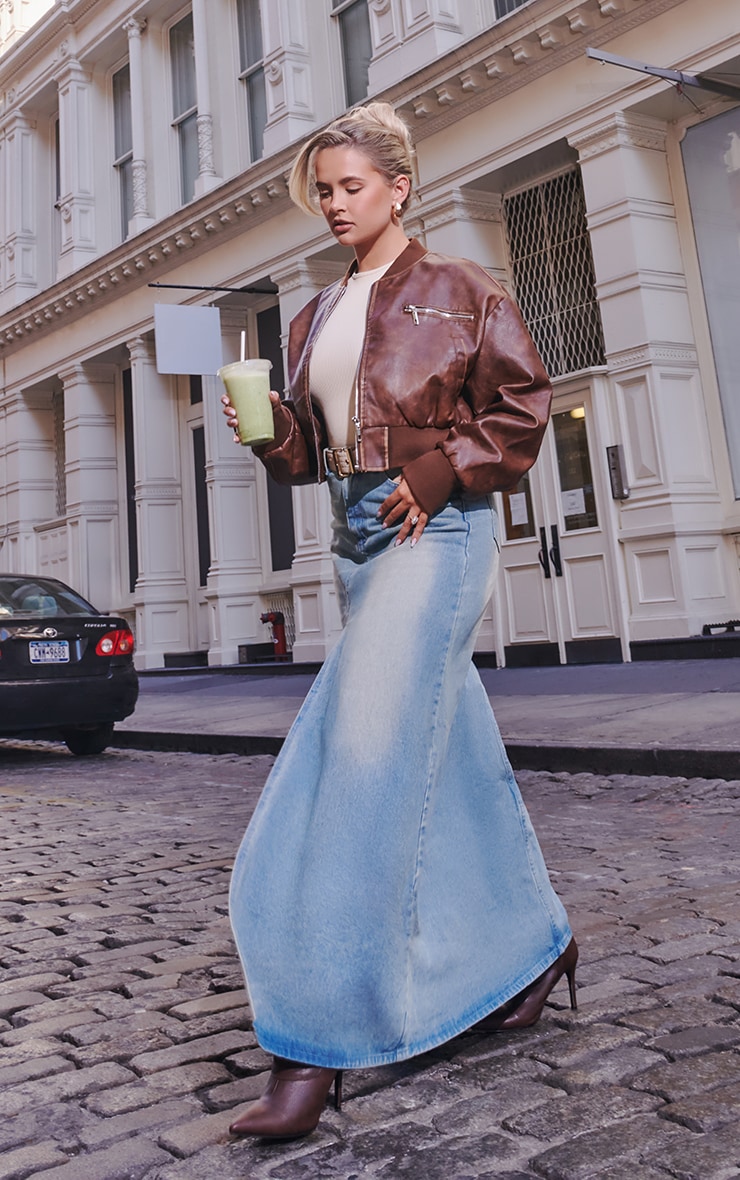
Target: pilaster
pixel 28 488
pixel 467 224
pixel 288 73
pixel 77 201
pixel 207 175
pixel 236 559
pixel 420 30
pixel 18 223
pixel 677 561
pixel 160 595
pixel 134 28
pixel 93 553
pixel 317 619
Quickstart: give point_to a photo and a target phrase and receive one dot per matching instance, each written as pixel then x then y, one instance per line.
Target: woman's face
pixel 355 198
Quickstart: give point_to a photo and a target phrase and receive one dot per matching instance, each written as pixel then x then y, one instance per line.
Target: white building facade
pixel 149 142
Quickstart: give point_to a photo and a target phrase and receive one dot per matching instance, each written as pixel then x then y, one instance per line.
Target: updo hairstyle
pixel 374 129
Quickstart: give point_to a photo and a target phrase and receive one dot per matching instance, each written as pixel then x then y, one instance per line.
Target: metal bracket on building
pixel 233 290
pixel 678 77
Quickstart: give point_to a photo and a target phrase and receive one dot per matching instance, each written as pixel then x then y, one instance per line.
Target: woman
pixel 389 892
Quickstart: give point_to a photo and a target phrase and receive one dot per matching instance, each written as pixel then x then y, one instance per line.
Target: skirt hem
pixel 311 1055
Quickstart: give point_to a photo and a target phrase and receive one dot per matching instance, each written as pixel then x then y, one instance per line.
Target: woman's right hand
pixel 230 412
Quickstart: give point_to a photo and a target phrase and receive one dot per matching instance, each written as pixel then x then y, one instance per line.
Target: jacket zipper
pixel 356 417
pixel 416 311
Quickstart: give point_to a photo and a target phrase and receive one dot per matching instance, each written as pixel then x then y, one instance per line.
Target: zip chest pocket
pixel 415 311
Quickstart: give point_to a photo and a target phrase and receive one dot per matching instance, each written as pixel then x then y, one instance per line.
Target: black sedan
pixel 65 670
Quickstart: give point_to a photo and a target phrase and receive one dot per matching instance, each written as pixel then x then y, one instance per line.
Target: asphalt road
pixel 125 1042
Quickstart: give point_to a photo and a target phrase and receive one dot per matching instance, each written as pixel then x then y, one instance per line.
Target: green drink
pixel 248 386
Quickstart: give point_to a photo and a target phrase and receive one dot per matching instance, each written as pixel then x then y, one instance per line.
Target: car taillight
pixel 115 643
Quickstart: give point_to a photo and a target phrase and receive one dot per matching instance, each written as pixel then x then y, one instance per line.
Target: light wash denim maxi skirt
pixel 389 890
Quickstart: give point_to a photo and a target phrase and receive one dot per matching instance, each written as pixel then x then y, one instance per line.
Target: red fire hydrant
pixel 276 618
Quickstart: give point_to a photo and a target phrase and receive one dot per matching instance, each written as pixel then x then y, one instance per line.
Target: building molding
pixel 620 129
pixel 656 353
pixel 245 202
pixel 488 68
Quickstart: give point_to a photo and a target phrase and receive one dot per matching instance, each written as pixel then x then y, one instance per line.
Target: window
pixel 56 221
pixel 123 146
pixel 128 450
pixel 279 496
pixel 504 7
pixel 711 156
pixel 553 273
pixel 185 103
pixel 357 46
pixel 201 505
pixel 60 453
pixel 252 72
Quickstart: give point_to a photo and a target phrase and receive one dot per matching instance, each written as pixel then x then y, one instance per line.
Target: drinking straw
pixel 244 346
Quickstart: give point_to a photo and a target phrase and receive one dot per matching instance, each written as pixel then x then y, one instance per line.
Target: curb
pixel 639 760
pixel 196 743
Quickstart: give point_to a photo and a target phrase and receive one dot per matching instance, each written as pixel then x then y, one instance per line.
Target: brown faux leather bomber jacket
pixel 450 387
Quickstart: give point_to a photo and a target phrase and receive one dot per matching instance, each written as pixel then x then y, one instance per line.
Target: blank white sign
pixel 187 339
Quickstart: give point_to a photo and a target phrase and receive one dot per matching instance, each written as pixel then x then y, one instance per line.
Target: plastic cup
pixel 248 386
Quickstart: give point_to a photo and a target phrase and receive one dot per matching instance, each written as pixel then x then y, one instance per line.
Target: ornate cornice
pixel 528 44
pixel 240 204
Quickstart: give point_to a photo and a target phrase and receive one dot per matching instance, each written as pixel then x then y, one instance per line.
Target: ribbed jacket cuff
pixel 432 480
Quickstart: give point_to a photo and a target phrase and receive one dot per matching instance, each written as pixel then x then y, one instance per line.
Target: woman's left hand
pixel 401 504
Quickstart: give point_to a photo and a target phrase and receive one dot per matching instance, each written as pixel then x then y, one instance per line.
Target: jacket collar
pixel 413 252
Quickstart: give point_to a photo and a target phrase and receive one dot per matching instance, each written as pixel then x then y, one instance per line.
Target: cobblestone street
pixel 125 1042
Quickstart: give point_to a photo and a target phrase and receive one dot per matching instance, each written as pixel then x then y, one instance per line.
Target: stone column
pixel 678 565
pixel 467 224
pixel 207 178
pixel 77 202
pixel 134 28
pixel 237 560
pixel 288 73
pixel 28 484
pixel 93 555
pixel 160 597
pixel 317 621
pixel 18 222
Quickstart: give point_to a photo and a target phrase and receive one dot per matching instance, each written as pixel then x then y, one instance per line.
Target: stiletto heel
pixel 570 971
pixel 291 1105
pixel 525 1009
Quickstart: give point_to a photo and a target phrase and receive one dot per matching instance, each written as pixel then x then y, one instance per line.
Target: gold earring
pixel 398 208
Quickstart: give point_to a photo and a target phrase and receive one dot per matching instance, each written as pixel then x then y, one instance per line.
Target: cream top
pixel 336 356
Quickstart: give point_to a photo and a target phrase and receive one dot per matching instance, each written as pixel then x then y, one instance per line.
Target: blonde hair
pixel 374 129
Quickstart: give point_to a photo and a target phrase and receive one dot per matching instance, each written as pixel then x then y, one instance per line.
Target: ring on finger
pixel 414 520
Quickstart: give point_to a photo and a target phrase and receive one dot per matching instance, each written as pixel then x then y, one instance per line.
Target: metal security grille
pixel 553 272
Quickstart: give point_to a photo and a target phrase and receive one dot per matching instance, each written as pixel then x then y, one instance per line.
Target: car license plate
pixel 49 653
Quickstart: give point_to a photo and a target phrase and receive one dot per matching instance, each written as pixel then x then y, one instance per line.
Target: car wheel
pixel 90 740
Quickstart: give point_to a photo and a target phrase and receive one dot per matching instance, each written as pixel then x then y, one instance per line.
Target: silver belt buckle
pixel 339 461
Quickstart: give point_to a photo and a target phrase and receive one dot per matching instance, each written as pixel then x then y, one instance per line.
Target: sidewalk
pixel 674 717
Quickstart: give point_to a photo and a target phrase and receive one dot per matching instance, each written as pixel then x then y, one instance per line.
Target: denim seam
pixel 433 762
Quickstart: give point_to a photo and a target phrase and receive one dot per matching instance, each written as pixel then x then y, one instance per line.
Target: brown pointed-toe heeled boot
pixel 291 1105
pixel 524 1009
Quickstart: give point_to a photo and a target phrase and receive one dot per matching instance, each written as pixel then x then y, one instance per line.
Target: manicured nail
pixel 413 541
